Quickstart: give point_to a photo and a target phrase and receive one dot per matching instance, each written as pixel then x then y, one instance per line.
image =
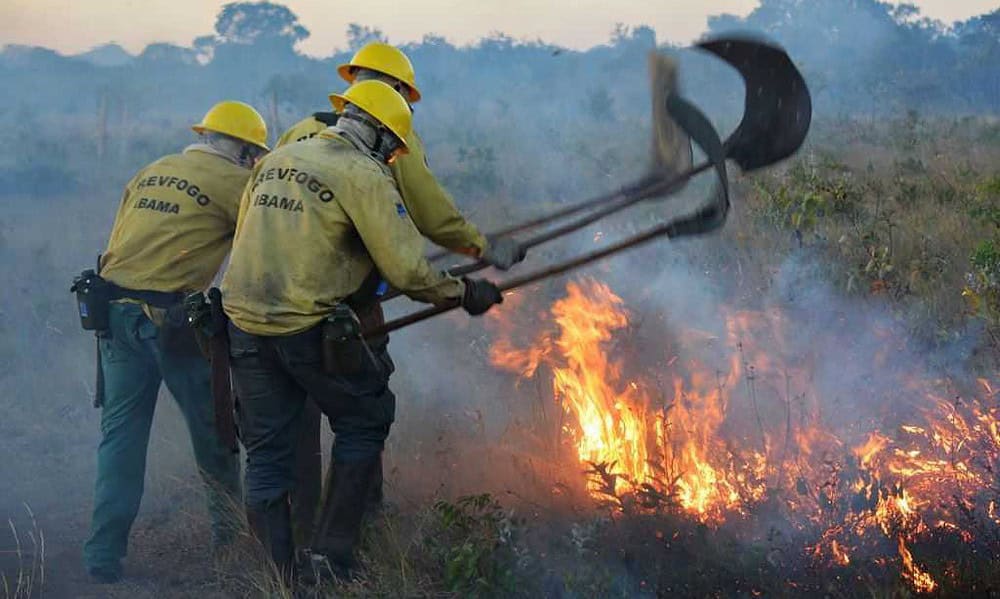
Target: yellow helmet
pixel 382 102
pixel 385 59
pixel 235 119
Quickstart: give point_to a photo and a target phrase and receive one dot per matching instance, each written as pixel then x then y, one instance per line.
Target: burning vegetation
pixel 737 434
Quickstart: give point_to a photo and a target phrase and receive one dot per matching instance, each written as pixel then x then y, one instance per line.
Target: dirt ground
pixel 169 553
pixel 169 556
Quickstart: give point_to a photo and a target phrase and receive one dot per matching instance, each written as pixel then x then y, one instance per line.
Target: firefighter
pixel 433 212
pixel 320 223
pixel 431 208
pixel 172 231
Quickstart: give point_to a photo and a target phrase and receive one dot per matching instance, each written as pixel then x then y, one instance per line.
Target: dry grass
pixel 29 553
pixel 896 220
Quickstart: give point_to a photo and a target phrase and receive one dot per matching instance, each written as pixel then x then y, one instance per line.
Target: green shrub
pixel 472 541
pixel 983 282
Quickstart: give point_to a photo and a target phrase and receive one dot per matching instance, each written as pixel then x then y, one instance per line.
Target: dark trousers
pixel 308 489
pixel 273 376
pixel 309 459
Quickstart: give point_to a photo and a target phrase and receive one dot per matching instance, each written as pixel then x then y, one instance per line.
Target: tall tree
pixel 252 41
pixel 251 23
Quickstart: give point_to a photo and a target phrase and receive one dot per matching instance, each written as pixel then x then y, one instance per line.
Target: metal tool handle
pixel 563 212
pixel 776 119
pixel 649 187
pixel 692 121
pixel 652 188
pixel 682 226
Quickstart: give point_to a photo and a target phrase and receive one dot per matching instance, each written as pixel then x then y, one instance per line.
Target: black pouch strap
pixel 327 118
pixel 219 318
pixel 99 379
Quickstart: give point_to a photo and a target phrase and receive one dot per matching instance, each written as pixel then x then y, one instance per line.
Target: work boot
pixel 339 527
pixel 273 528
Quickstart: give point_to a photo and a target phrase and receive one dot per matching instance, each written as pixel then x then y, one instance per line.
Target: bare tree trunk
pixel 102 124
pixel 275 123
pixel 124 133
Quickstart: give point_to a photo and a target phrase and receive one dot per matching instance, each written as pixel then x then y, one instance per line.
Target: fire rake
pixel 776 118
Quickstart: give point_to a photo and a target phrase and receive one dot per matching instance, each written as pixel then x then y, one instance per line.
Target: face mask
pixel 391 148
pixel 387 146
pixel 242 153
pixel 250 155
pixel 380 143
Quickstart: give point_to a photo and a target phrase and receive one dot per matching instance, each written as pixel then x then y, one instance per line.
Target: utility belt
pixel 344 352
pixel 94 295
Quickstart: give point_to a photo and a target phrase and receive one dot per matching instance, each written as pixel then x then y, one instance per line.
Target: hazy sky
pixel 71 26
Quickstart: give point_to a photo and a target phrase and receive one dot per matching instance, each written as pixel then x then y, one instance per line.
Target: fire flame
pixel 921 581
pixel 610 423
pixel 687 439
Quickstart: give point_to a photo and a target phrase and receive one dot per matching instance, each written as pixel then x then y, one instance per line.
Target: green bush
pixel 472 541
pixel 983 282
pixel 986 202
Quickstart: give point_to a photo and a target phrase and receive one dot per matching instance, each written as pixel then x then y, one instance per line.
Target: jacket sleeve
pixel 393 242
pixel 431 207
pixel 243 201
pixel 232 186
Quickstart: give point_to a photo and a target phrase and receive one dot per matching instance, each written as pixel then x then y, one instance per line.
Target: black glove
pixel 480 296
pixel 503 252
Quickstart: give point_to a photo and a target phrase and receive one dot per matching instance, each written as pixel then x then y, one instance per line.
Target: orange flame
pixel 699 439
pixel 875 444
pixel 922 581
pixel 840 556
pixel 611 420
pixel 614 422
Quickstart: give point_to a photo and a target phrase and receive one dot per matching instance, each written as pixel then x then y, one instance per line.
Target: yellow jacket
pixel 316 218
pixel 175 222
pixel 431 207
